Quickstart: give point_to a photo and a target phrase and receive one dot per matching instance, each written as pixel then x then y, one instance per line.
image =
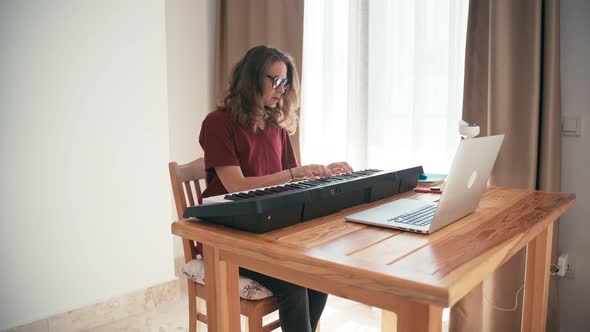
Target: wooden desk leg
pixel 388 321
pixel 223 294
pixel 536 282
pixel 412 317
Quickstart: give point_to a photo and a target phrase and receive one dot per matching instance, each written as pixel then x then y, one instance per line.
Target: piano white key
pixel 215 199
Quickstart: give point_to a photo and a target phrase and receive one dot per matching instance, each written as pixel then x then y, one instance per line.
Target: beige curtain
pixel 243 24
pixel 512 86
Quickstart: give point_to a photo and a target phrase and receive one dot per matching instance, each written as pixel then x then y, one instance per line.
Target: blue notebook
pixel 431 178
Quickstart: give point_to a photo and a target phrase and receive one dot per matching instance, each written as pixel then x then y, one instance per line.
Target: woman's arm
pixel 234 180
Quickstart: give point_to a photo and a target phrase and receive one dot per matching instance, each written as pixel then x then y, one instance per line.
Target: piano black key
pixel 294 186
pixel 311 183
pixel 231 198
pixel 339 177
pixel 352 175
pixel 280 189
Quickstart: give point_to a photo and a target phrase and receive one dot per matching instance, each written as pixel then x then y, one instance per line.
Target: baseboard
pixel 179 263
pixel 109 311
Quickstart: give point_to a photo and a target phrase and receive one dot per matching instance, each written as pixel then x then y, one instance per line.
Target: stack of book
pixel 428 180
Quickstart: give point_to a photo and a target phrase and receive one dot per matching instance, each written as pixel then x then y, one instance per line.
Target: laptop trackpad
pixel 387 211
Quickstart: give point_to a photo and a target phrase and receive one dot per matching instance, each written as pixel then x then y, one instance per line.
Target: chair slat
pixel 198 190
pixel 189 193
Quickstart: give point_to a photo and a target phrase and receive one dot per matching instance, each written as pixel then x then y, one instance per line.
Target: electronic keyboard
pixel 266 209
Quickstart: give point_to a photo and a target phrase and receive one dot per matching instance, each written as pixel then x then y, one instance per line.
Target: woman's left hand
pixel 340 167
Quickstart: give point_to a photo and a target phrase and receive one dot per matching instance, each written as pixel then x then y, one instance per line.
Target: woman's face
pixel 277 73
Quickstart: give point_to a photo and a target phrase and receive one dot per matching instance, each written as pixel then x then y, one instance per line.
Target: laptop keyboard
pixel 419 217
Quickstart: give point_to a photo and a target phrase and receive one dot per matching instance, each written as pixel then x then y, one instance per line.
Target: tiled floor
pixel 340 315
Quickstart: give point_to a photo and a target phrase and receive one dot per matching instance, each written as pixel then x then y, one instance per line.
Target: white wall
pixel 574 239
pixel 85 204
pixel 190 31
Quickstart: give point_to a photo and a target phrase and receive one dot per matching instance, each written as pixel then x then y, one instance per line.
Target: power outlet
pixel 563 265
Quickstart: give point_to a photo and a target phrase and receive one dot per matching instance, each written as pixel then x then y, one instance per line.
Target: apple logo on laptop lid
pixel 471 179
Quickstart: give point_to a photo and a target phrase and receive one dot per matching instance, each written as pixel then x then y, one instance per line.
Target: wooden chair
pixel 181 177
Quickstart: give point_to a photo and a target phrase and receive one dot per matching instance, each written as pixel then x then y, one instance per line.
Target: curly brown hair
pixel 245 90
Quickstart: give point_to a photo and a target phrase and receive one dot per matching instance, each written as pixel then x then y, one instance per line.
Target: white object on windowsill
pixel 466 131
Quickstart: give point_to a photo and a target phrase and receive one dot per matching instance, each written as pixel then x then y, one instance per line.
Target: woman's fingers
pixel 317 170
pixel 326 171
pixel 313 171
pixel 340 167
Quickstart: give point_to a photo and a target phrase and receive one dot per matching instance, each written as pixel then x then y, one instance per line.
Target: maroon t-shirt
pixel 227 143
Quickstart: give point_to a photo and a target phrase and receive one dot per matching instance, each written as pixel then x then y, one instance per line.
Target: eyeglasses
pixel 277 80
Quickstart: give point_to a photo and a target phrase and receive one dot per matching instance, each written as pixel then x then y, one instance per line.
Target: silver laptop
pixel 465 183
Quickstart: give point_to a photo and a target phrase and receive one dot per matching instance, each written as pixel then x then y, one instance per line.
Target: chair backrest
pixel 181 177
pixel 186 187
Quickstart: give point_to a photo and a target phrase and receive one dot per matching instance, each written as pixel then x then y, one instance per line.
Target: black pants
pixel 300 308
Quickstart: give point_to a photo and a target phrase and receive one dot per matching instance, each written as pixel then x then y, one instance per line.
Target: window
pixel 383 82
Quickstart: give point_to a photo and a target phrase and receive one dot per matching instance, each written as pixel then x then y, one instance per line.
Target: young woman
pixel 246 144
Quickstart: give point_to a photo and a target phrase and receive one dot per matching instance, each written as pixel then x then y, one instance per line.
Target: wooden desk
pixel 413 275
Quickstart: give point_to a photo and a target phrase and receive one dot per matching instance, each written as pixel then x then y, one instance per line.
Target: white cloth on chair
pixel 249 289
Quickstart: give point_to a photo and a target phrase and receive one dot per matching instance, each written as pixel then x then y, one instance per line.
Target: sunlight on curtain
pixel 382 82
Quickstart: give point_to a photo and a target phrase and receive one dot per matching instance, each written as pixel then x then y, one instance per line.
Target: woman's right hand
pixel 311 171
